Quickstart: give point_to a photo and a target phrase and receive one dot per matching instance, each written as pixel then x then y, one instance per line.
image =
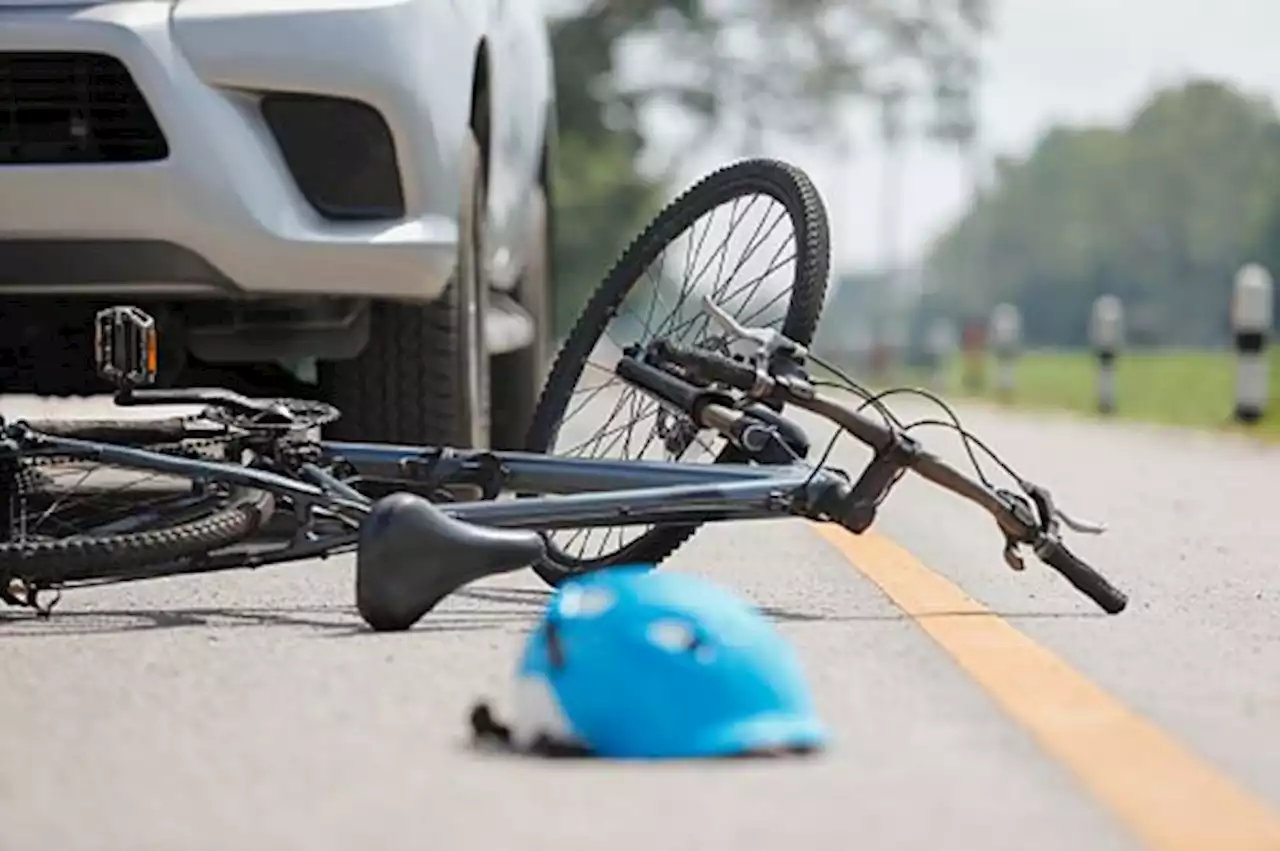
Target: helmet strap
pixel 485 729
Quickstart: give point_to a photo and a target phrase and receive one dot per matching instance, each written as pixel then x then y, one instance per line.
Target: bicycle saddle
pixel 412 555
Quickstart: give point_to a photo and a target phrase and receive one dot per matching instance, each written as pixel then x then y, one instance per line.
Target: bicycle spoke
pixel 724 255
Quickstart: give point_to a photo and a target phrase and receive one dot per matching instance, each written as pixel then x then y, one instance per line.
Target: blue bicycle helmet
pixel 630 663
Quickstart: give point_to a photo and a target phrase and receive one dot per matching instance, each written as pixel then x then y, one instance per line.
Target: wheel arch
pixel 481 116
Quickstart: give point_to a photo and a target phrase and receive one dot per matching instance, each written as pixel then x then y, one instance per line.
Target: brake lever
pixel 1081 526
pixel 1044 515
pixel 1050 513
pixel 768 342
pixel 767 339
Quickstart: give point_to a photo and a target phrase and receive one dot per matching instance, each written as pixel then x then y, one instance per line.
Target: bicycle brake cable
pixel 870 400
pixel 848 383
pixel 1036 493
pixel 967 438
pixel 970 437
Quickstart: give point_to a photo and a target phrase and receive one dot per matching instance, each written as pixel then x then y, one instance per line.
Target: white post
pixel 1106 332
pixel 1006 336
pixel 1251 307
pixel 941 345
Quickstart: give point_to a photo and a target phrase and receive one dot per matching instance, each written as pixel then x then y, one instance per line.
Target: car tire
pixel 518 376
pixel 423 377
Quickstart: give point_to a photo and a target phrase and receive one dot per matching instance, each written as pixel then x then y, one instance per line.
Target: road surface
pixel 973 707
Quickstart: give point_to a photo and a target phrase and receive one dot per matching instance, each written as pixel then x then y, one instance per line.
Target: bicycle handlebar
pixel 894 451
pixel 1085 579
pixel 710 365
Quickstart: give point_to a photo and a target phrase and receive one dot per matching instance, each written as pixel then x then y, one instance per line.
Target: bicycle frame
pixel 566 493
pixel 596 492
pixel 552 492
pixel 607 492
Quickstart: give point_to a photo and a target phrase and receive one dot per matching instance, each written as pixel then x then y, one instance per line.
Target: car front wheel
pixel 423 377
pixel 518 376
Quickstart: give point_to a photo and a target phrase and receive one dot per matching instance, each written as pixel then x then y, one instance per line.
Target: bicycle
pixel 250 482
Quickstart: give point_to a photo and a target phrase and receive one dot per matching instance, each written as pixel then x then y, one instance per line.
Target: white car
pixel 351 193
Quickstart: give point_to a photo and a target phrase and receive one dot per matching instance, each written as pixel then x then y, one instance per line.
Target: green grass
pixel 1187 388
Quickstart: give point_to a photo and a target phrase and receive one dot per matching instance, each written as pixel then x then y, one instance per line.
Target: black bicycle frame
pixel 603 492
pixel 584 492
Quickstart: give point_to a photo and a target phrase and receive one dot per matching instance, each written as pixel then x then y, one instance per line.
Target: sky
pixel 1045 62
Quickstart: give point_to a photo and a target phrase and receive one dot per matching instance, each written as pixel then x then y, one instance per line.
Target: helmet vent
pixel 673 635
pixel 585 602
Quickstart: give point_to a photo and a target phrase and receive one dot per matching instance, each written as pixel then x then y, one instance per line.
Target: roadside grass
pixel 1184 388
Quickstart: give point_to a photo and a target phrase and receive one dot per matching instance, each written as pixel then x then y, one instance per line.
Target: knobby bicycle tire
pixel 137 432
pixel 240 513
pixel 784 183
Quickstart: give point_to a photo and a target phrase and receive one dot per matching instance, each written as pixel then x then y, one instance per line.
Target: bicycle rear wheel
pixel 635 305
pixel 70 518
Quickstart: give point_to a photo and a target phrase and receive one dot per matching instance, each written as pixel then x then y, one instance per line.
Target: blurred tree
pixel 1160 212
pixel 741 72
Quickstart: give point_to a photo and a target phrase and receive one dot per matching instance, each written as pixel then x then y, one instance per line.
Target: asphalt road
pixel 252 710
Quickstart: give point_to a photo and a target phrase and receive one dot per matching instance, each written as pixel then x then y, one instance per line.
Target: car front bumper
pixel 222 212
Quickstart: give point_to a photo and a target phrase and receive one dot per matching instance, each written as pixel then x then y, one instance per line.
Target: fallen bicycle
pixel 251 482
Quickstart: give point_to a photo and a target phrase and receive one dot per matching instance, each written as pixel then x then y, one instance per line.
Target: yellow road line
pixel 1169 798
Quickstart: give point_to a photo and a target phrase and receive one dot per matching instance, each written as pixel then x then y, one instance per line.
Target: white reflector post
pixel 1251 316
pixel 1006 339
pixel 1106 334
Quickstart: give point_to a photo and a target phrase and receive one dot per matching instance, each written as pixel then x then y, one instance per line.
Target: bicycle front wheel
pixel 753 236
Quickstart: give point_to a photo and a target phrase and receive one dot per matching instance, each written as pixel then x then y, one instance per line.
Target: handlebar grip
pixel 712 366
pixel 1086 580
pixel 661 384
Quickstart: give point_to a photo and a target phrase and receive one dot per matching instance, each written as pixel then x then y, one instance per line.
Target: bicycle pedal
pixel 126 346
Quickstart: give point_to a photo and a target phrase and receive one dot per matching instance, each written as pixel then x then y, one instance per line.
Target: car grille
pixel 73 108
